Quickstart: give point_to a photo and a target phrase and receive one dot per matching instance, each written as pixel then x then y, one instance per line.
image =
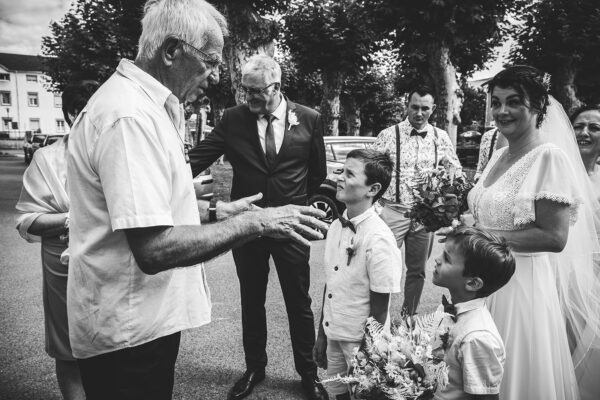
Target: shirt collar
pixel 279 112
pixel 427 127
pixel 469 305
pixel 157 92
pixel 361 217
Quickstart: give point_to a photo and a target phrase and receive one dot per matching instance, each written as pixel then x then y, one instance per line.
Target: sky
pixel 24 22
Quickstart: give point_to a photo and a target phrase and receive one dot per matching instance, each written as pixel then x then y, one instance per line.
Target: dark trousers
pixel 142 372
pixel 417 249
pixel 291 262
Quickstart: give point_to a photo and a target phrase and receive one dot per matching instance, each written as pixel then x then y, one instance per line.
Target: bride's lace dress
pixel 527 310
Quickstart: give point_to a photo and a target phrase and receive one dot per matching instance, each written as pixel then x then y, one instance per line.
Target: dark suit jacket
pixel 299 167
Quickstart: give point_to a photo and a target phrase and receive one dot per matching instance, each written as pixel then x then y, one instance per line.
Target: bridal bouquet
pixel 441 197
pixel 404 364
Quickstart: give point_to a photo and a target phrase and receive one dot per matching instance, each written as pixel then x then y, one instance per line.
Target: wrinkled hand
pixel 298 223
pixel 320 352
pixel 226 210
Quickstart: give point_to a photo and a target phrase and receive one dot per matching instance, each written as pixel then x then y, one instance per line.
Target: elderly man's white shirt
pixel 127 169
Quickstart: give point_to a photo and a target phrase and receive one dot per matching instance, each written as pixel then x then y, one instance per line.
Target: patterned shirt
pixel 416 154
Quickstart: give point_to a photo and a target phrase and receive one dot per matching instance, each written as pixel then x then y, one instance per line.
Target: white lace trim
pixel 525 210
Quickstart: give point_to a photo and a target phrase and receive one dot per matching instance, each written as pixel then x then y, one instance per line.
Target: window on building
pixel 31 78
pixel 34 125
pixel 5 98
pixel 57 100
pixel 32 99
pixel 4 77
pixel 15 125
pixel 60 125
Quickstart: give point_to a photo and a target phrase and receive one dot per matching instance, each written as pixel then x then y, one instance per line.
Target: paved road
pixel 210 357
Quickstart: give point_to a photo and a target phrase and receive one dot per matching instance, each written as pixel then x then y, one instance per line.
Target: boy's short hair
pixel 422 90
pixel 487 256
pixel 378 168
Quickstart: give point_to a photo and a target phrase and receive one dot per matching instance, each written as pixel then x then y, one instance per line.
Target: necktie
pixel 347 224
pixel 449 308
pixel 415 132
pixel 270 149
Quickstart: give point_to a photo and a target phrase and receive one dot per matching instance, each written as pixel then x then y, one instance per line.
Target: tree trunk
pixel 351 114
pixel 250 34
pixel 445 84
pixel 564 82
pixel 330 104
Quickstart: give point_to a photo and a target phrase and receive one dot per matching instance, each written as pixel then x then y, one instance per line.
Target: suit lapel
pixel 287 136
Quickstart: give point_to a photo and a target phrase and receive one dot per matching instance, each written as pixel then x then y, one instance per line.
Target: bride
pixel 535 194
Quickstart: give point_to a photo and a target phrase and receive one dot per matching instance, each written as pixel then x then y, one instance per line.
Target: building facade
pixel 26 105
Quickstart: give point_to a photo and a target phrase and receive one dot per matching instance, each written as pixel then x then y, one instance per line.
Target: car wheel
pixel 324 203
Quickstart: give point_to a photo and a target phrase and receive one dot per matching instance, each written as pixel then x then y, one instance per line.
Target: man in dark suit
pixel 275 147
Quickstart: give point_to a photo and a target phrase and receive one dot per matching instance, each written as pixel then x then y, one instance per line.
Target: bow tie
pixel 415 132
pixel 449 308
pixel 347 224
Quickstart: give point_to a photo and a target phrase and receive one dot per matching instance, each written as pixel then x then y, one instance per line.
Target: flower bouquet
pixel 403 364
pixel 441 197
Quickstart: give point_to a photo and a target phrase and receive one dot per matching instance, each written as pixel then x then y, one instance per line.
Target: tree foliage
pixel 438 39
pixel 90 40
pixel 325 37
pixel 562 37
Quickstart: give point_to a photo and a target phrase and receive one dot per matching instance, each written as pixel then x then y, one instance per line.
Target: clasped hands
pixel 299 223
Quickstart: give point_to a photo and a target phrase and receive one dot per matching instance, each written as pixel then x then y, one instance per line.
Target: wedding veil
pixel 578 265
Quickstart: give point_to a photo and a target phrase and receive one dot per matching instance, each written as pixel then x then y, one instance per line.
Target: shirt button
pixel 330 295
pixel 335 268
pixel 326 323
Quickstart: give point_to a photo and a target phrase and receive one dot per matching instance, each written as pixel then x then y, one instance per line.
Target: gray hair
pixel 263 64
pixel 194 21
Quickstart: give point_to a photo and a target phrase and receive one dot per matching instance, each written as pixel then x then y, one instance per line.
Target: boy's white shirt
pixel 375 266
pixel 476 355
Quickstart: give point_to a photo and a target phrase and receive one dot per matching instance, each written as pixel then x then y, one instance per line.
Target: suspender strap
pixel 435 148
pixel 397 164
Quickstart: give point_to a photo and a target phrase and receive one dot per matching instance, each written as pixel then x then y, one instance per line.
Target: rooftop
pixel 20 62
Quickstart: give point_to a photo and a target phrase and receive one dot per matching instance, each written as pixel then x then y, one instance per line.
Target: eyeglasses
pixel 253 91
pixel 212 62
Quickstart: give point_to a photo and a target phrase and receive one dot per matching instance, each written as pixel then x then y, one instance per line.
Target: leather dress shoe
pixel 243 387
pixel 313 389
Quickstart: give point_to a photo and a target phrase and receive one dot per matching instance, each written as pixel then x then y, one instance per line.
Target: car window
pixel 38 139
pixel 52 140
pixel 341 150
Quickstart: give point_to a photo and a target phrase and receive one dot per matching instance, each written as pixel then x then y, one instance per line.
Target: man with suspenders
pixel 415 145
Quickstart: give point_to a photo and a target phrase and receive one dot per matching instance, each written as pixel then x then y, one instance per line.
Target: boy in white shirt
pixel 474 264
pixel 363 265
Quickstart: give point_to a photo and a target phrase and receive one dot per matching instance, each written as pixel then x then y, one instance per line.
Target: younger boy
pixel 363 265
pixel 474 264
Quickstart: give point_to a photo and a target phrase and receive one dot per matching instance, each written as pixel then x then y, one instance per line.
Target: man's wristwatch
pixel 212 210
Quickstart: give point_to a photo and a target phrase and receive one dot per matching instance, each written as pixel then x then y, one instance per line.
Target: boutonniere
pixel 350 251
pixel 292 119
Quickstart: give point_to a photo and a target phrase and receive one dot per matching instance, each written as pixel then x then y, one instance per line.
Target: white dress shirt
pixel 278 125
pixel 126 169
pixel 376 265
pixel 476 356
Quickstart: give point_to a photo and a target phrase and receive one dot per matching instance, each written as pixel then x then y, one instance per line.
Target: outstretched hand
pixel 299 223
pixel 226 210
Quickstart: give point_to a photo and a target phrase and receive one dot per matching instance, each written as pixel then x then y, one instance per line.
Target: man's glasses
pixel 212 62
pixel 253 91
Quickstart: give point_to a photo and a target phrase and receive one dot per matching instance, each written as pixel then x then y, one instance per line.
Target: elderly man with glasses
pixel 136 277
pixel 275 147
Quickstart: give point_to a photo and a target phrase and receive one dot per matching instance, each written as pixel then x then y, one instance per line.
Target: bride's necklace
pixel 511 155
